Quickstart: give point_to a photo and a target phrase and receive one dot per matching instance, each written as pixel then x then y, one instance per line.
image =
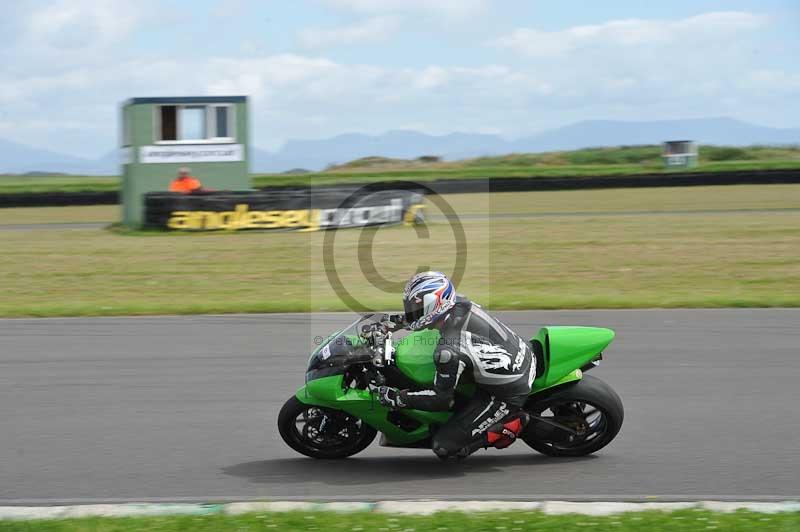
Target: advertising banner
pixel 305 210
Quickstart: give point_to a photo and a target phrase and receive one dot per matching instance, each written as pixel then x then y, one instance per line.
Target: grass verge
pixel 687 520
pixel 55 215
pixel 623 160
pixel 348 175
pixel 17 184
pixel 682 247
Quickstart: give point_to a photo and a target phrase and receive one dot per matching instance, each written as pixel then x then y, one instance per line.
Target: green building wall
pixel 138 115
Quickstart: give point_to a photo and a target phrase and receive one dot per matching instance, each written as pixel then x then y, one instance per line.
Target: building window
pixel 169 121
pixel 195 123
pixel 221 121
pixel 192 123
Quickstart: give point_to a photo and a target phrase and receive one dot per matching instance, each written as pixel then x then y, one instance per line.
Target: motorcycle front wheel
pixel 576 420
pixel 321 432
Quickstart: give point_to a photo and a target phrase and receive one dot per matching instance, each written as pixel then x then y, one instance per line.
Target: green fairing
pixel 414 355
pixel 414 358
pixel 330 392
pixel 570 348
pixel 566 350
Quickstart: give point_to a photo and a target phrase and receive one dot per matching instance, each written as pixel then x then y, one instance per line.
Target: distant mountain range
pixel 16 158
pixel 317 154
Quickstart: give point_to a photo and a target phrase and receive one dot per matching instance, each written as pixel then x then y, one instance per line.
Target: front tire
pixel 590 409
pixel 321 432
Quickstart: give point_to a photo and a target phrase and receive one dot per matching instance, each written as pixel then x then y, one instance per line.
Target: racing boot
pixel 499 435
pixel 503 434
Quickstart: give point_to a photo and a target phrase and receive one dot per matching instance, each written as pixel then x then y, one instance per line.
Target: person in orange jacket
pixel 185 183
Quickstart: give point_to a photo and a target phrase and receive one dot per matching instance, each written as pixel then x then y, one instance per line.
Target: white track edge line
pixel 416 507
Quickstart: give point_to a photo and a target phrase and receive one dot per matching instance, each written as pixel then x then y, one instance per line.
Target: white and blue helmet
pixel 427 297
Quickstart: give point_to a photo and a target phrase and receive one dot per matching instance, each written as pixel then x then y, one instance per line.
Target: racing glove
pixel 390 397
pixel 394 321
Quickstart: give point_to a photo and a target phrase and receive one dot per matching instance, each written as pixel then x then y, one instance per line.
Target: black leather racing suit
pixel 477 345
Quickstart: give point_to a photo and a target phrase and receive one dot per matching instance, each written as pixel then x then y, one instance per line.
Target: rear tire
pixel 589 406
pixel 325 433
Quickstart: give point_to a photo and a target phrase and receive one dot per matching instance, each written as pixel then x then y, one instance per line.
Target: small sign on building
pixel 680 153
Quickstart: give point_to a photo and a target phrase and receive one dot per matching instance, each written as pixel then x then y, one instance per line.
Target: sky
pixel 318 68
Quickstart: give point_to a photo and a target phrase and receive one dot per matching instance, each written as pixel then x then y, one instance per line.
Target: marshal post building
pixel 159 135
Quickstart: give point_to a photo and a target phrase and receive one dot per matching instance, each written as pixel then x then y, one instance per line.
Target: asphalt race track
pixel 184 408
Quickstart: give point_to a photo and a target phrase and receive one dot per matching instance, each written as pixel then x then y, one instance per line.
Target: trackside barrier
pixel 58 199
pixel 448 186
pixel 300 210
pixel 527 184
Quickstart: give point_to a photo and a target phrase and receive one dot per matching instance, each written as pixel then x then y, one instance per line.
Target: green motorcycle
pixel 337 414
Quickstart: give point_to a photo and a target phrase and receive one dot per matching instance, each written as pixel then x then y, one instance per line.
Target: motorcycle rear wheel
pixel 321 432
pixel 588 412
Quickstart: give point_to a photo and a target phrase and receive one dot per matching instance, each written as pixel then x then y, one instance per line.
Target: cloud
pixel 707 65
pixel 630 33
pixel 75 24
pixel 369 31
pixel 430 77
pixel 319 80
pixel 443 8
pixel 633 68
pixel 772 81
pixel 383 18
pixel 44 39
pixel 16 91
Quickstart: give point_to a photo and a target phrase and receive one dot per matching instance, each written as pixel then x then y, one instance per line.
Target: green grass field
pixel 55 215
pixel 685 520
pixel 620 161
pixel 432 173
pixel 666 247
pixel 11 184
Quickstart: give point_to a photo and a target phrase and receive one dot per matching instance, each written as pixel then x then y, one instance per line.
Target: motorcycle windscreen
pixel 336 356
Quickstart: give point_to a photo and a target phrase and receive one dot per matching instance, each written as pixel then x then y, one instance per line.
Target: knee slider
pixel 441 448
pixel 441 451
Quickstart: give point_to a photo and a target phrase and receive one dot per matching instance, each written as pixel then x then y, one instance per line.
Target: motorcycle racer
pixel 473 345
